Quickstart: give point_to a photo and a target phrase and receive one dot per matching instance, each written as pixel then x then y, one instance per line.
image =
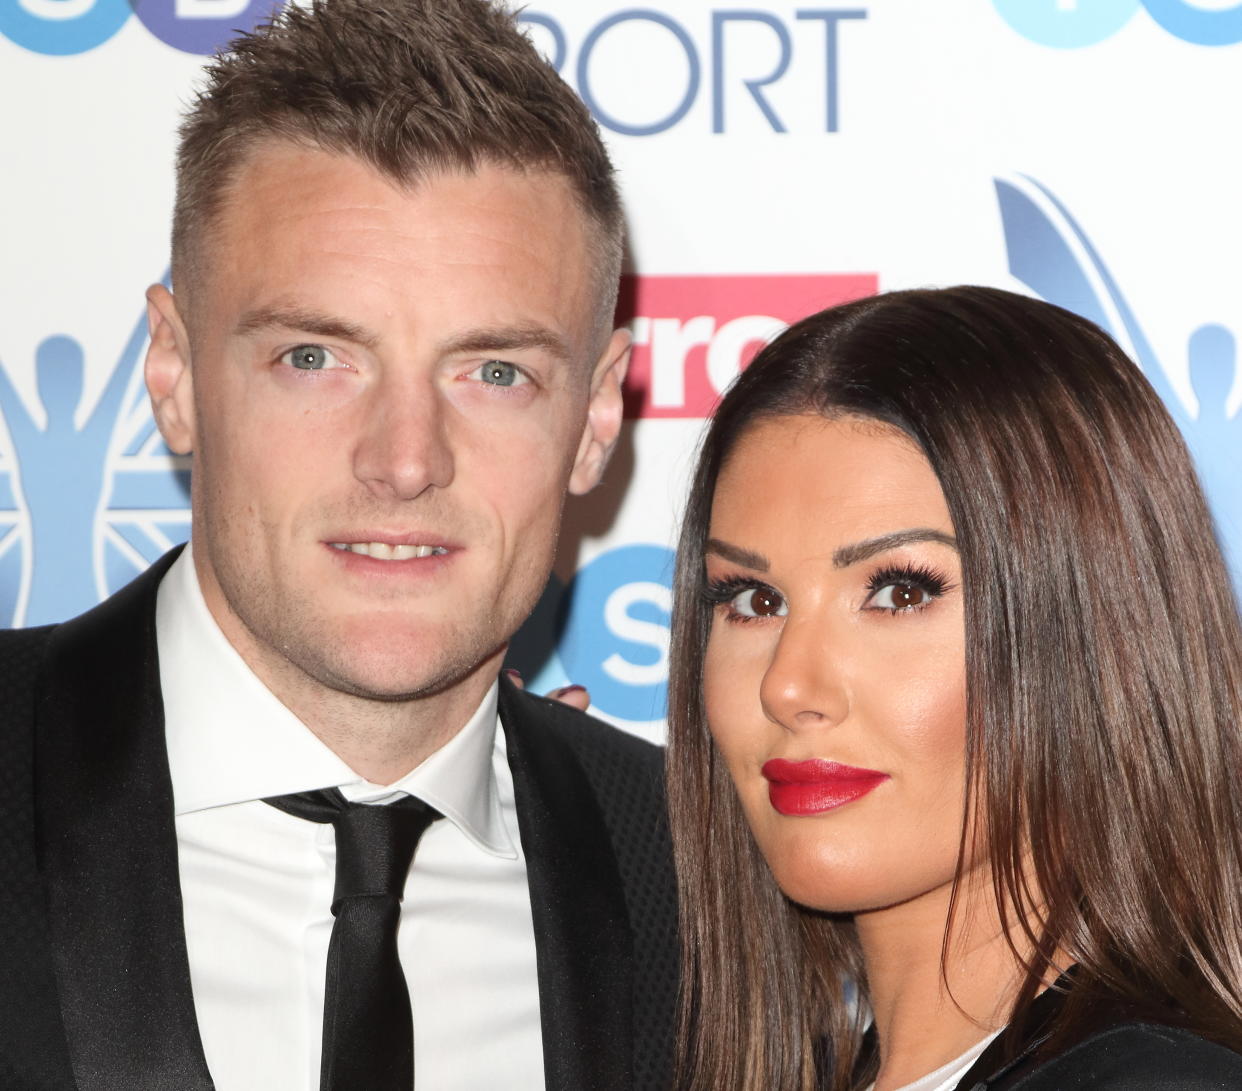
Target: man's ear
pixel 167 371
pixel 604 412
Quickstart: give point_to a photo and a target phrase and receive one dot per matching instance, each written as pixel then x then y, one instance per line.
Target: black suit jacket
pixel 94 976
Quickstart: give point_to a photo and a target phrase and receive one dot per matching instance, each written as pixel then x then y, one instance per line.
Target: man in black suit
pixel 395 255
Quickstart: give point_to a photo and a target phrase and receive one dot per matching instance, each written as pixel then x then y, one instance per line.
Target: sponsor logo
pixel 607 630
pixel 754 48
pixel 1051 254
pixel 1072 24
pixel 62 28
pixel 88 498
pixel 615 641
pixel 693 334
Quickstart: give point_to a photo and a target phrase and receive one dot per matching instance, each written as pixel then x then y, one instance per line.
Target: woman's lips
pixel 812 787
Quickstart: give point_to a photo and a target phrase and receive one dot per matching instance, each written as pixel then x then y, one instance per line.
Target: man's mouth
pixel 384 551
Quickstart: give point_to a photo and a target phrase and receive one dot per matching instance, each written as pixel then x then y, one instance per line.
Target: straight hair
pixel 1104 690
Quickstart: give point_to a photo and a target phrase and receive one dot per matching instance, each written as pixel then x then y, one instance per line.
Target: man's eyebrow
pixel 304 320
pixel 510 339
pixel 860 551
pixel 730 552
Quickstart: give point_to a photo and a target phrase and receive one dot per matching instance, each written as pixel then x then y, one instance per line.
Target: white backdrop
pixel 775 158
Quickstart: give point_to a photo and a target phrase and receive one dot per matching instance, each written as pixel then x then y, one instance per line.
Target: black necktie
pixel 368 1030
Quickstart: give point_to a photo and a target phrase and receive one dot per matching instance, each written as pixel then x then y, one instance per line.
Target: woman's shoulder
pixel 1131 1056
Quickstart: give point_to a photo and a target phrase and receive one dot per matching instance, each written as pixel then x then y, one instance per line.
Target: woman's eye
pixel 311 358
pixel 758 602
pixel 899 596
pixel 499 373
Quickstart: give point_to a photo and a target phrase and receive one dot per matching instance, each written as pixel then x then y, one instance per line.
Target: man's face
pixel 387 392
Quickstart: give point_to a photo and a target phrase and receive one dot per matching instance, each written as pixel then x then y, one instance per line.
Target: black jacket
pixel 1120 1051
pixel 94 976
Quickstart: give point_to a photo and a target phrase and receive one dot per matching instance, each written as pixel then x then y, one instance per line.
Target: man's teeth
pixel 382 551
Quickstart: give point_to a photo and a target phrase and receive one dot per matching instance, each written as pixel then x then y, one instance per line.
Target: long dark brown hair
pixel 1104 687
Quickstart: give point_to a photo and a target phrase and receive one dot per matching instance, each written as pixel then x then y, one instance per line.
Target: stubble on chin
pixel 301 649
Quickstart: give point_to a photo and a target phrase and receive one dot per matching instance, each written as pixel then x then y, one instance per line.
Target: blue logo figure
pixel 1072 24
pixel 90 504
pixel 1067 24
pixel 1053 257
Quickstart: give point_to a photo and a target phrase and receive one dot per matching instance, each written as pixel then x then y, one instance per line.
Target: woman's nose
pixel 804 686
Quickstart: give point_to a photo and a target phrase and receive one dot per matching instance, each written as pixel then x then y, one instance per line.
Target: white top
pixel 945 1078
pixel 257 883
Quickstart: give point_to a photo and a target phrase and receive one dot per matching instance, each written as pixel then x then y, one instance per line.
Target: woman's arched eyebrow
pixel 730 552
pixel 861 551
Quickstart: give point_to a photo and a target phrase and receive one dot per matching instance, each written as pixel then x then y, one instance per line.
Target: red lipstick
pixel 812 787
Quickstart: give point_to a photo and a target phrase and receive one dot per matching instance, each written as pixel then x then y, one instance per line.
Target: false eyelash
pixel 921 576
pixel 719 591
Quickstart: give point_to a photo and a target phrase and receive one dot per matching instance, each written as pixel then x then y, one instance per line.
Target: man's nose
pixel 804 686
pixel 404 448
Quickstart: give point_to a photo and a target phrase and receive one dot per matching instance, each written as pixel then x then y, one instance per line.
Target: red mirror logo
pixel 693 334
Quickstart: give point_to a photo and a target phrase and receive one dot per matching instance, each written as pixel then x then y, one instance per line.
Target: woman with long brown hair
pixel 955 717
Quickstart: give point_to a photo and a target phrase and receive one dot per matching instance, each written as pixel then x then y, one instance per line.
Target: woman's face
pixel 835 677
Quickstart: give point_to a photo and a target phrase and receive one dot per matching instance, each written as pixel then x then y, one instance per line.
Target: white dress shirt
pixel 257 883
pixel 946 1077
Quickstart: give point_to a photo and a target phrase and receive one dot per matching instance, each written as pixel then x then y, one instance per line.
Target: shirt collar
pixel 230 740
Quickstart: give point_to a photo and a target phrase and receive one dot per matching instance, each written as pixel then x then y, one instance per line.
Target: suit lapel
pixel 1014 1054
pixel 582 933
pixel 108 851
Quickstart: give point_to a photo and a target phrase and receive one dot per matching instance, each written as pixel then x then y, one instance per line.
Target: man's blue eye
pixel 310 358
pixel 499 373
